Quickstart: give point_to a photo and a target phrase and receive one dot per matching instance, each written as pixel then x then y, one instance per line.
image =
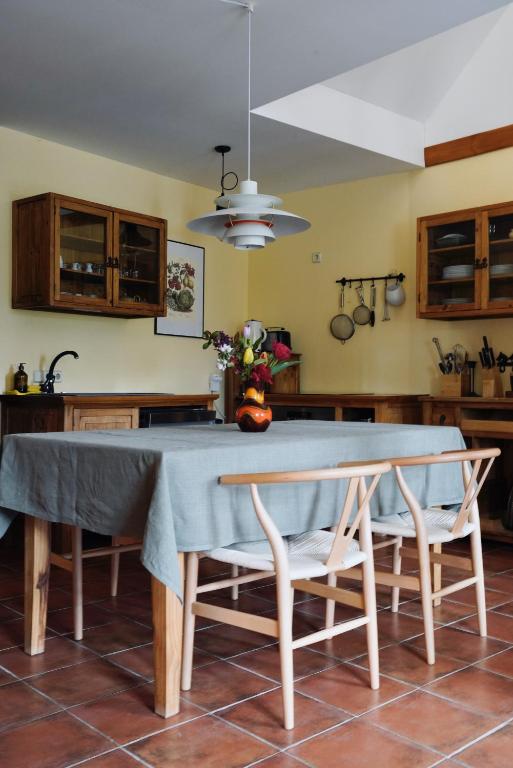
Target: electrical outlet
pixel 38 376
pixel 316 257
pixel 59 378
pixel 214 382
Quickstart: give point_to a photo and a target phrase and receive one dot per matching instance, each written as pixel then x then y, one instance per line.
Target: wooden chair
pixel 73 562
pixel 434 527
pixel 294 560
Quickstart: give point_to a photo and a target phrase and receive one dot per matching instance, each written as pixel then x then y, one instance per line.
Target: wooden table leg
pixel 167 645
pixel 37 576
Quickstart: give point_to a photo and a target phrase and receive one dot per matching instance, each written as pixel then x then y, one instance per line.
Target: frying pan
pixel 342 325
pixel 361 314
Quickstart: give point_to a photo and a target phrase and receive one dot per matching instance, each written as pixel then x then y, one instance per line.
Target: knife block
pixel 456 384
pixel 491 383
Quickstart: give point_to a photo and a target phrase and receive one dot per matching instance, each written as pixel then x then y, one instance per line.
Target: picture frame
pixel 185 297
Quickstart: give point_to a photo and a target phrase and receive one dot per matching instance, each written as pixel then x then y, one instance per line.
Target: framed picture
pixel 185 291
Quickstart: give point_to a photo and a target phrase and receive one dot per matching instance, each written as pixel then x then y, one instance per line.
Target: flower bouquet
pixel 255 368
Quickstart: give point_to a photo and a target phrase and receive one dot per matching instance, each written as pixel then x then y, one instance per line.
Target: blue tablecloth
pixel 161 484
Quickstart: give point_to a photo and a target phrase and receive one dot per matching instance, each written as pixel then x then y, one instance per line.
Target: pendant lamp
pixel 248 220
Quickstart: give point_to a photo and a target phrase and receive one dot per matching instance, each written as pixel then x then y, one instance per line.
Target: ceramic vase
pixel 253 415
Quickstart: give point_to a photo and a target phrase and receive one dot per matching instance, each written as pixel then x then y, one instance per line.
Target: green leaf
pixel 285 364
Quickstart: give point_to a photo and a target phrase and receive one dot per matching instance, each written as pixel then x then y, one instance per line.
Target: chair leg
pixel 330 604
pixel 396 569
pixel 191 585
pixel 437 574
pixel 426 595
pixel 114 569
pixel 77 578
pixel 235 588
pixel 477 567
pixel 369 597
pixel 286 658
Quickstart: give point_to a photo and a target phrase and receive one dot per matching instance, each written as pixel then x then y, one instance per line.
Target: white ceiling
pixel 157 83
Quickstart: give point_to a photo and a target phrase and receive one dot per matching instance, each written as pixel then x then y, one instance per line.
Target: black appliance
pixel 274 335
pixel 165 416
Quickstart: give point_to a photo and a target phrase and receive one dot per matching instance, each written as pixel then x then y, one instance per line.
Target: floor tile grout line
pixel 481 738
pixel 402 737
pixel 243 730
pixel 458 703
pixel 261 760
pixel 274 746
pixel 85 760
pixel 171 727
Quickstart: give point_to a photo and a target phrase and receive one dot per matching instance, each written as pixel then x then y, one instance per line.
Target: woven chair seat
pixel 307 554
pixel 439 524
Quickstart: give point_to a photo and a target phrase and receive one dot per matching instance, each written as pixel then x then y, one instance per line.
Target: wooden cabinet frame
pixel 481 306
pixel 36 271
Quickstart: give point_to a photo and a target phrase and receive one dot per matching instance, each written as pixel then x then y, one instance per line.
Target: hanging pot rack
pixel 343 281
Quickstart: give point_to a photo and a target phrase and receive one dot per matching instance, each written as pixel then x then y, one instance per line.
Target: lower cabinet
pixel 484 423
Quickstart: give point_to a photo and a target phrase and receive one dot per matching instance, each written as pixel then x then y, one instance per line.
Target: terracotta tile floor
pixel 90 703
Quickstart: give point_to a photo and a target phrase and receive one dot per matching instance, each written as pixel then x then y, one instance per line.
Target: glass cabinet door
pixel 498 265
pixel 83 254
pixel 451 278
pixel 139 248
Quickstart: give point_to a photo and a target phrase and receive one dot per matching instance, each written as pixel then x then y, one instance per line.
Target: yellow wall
pixel 364 227
pixel 115 354
pixel 368 228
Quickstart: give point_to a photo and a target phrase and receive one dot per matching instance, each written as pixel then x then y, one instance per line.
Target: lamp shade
pixel 249 220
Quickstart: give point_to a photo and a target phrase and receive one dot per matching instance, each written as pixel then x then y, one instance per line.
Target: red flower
pixel 281 351
pixel 262 374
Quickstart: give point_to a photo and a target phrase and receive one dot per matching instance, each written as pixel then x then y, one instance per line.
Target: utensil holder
pixel 491 383
pixel 456 384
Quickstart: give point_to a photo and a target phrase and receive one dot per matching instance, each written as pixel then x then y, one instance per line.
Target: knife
pixel 443 362
pixel 481 358
pixel 486 353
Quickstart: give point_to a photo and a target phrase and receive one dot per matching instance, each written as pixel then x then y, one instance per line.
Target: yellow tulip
pixel 248 356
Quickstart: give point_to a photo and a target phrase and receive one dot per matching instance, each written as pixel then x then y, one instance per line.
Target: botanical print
pixel 185 275
pixel 180 286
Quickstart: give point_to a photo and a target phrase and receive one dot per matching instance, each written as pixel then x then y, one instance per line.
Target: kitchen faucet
pixel 47 385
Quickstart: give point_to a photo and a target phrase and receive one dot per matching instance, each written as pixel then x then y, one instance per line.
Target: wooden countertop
pixel 495 402
pixel 336 398
pixel 130 400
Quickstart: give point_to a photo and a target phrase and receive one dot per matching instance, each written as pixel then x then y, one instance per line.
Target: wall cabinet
pixel 75 256
pixel 465 264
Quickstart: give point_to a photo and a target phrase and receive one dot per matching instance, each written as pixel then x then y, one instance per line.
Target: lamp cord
pixel 250 11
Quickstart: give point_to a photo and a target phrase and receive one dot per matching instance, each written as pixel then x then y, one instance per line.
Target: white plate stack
pixel 456 271
pixel 449 302
pixel 496 270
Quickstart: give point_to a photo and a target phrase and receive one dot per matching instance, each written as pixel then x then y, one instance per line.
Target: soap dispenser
pixel 21 379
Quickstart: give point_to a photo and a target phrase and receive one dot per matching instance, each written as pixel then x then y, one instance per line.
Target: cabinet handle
pixel 443 419
pixel 108 263
pixel 484 264
pixel 477 264
pixel 115 263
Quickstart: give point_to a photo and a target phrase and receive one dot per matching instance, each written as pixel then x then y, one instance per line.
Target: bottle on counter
pixel 21 379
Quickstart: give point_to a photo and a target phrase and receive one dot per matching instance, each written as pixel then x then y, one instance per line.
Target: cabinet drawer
pixel 105 418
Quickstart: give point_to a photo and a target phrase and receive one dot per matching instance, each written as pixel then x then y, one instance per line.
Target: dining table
pixel 161 485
